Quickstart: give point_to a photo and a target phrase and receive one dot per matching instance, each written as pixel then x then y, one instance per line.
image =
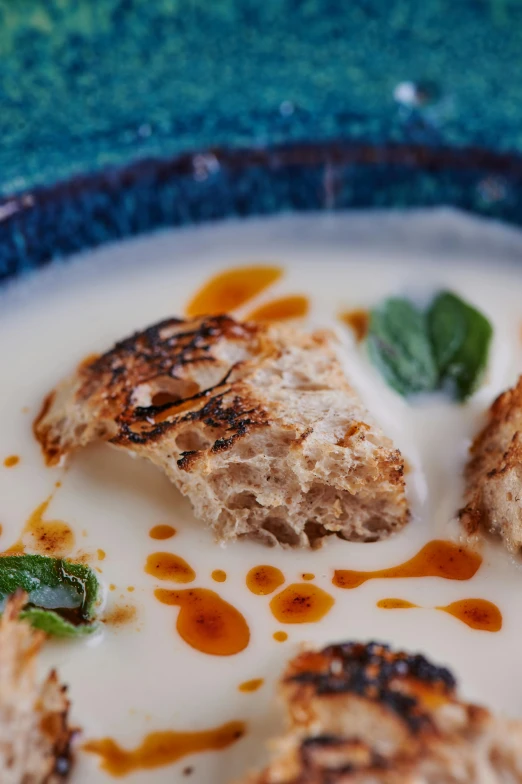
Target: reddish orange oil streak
pixel 438 558
pixel 281 309
pixel 475 613
pixel 264 579
pixel 206 622
pixel 47 537
pixel 301 603
pixel 162 748
pixel 231 288
pixel 167 566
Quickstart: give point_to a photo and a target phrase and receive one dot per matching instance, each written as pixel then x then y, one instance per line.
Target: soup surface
pixel 160 693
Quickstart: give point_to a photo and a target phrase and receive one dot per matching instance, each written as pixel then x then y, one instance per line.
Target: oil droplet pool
pixel 437 558
pixel 206 622
pixel 170 567
pixel 232 288
pixel 282 309
pixel 263 580
pixel 162 532
pixel 301 603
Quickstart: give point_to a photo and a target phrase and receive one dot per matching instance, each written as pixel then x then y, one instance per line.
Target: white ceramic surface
pixel 143 677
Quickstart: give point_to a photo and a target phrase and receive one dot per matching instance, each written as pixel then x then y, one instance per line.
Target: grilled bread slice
pixel 256 424
pixel 494 472
pixel 364 714
pixel 34 734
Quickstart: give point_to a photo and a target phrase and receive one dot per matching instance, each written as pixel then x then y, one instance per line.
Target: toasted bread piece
pixel 363 714
pixel 494 472
pixel 34 734
pixel 256 424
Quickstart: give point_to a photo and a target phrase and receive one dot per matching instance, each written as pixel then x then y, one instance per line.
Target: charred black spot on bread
pixel 187 459
pixel 374 672
pixel 160 350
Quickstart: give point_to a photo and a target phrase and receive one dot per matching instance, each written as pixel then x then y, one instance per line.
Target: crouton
pixel 34 733
pixel 493 475
pixel 363 714
pixel 256 424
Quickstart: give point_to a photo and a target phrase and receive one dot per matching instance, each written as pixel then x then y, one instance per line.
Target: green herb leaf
pixel 417 352
pixel 55 624
pixel 61 595
pixel 399 346
pixel 461 337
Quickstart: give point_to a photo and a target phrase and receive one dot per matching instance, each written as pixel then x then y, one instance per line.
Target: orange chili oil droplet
pixel 395 604
pixel 232 288
pixel 162 532
pixel 476 613
pixel 358 321
pixel 206 622
pixel 101 554
pixel 308 576
pixel 11 461
pixel 281 309
pixel 167 566
pixel 253 685
pixel 301 603
pixel 263 580
pixel 162 748
pixel 436 559
pixel 219 575
pixel 280 636
pixel 47 537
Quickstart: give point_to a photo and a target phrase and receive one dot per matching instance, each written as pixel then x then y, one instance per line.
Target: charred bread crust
pixel 493 475
pixel 35 736
pixel 365 714
pixel 256 424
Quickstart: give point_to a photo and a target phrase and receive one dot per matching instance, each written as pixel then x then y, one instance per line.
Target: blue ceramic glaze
pixel 119 116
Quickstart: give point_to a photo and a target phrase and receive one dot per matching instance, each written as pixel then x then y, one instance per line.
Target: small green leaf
pixel 55 624
pixel 399 346
pixel 461 337
pixel 61 594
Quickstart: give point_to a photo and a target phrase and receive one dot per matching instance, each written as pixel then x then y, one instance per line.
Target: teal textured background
pixel 90 84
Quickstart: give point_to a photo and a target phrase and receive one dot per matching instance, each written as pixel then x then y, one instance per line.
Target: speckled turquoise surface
pixel 90 88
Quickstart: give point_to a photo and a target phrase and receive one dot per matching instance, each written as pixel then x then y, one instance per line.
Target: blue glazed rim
pixel 39 225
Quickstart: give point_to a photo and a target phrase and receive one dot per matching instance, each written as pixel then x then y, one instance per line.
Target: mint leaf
pixel 461 337
pixel 399 346
pixel 54 624
pixel 447 347
pixel 61 595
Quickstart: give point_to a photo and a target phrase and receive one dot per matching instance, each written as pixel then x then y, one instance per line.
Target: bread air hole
pixel 191 441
